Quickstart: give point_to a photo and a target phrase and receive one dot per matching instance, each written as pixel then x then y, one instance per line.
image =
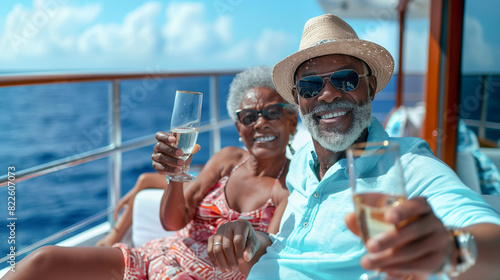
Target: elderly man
pixel 448 229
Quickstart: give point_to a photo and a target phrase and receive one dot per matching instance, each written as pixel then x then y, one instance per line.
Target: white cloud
pixel 43 29
pixel 56 34
pixel 477 53
pixel 34 31
pixel 384 33
pixel 135 38
pixel 416 45
pixel 236 52
pixel 271 45
pixel 188 34
pixel 222 28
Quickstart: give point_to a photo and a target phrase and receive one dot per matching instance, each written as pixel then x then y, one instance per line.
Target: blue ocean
pixel 44 123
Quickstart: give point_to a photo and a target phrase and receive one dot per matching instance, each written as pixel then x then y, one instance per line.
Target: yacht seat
pixel 146 224
pixel 465 169
pixel 493 154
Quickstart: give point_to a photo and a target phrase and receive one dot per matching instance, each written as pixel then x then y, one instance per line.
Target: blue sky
pixel 134 35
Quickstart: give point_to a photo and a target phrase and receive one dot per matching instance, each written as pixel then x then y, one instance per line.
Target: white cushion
pixel 467 171
pixel 146 225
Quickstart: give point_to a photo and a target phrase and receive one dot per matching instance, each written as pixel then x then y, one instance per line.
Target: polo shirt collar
pixel 376 133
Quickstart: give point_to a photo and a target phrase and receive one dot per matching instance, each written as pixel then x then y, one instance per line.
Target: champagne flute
pixel 184 126
pixel 377 183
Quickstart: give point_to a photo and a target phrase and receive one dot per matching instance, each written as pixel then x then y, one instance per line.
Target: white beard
pixel 335 140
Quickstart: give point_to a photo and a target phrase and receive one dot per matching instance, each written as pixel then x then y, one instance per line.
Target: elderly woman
pixel 235 184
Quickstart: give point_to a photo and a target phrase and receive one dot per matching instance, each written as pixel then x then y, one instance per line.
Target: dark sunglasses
pixel 271 112
pixel 343 80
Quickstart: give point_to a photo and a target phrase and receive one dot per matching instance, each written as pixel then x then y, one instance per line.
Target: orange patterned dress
pixel 184 255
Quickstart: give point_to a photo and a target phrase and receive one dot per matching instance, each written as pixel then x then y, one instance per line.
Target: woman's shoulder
pixel 231 157
pixel 227 158
pixel 218 166
pixel 232 152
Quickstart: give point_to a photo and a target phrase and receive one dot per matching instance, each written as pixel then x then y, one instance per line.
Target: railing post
pixel 484 106
pixel 115 141
pixel 215 138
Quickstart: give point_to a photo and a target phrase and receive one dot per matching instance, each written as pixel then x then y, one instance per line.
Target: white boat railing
pixel 115 147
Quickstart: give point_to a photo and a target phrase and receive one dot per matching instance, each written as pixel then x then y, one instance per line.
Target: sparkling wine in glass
pixel 184 126
pixel 377 184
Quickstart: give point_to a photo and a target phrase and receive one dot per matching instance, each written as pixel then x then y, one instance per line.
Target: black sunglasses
pixel 271 112
pixel 343 80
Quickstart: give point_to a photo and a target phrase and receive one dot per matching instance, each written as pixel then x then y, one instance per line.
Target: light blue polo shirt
pixel 314 242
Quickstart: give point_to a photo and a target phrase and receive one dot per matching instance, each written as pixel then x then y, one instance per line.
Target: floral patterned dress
pixel 184 255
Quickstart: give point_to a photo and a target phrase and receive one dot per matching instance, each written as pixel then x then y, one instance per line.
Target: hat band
pixel 324 41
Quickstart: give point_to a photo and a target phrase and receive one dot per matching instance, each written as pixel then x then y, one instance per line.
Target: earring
pixel 290 140
pixel 240 139
pixel 292 150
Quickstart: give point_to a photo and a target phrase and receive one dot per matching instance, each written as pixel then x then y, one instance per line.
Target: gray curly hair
pixel 258 76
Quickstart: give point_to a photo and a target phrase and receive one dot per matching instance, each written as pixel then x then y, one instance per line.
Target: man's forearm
pixel 487 238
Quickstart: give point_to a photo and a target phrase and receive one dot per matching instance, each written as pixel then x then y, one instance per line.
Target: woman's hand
pixel 126 201
pixel 144 181
pixel 166 157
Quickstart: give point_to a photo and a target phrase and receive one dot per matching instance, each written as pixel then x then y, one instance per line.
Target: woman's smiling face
pixel 266 138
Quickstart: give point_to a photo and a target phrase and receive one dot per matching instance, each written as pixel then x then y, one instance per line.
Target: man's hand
pixel 418 246
pixel 234 243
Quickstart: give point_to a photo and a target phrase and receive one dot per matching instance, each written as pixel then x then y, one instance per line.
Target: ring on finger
pixel 218 244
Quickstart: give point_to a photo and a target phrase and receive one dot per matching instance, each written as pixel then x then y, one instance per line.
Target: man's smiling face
pixel 336 118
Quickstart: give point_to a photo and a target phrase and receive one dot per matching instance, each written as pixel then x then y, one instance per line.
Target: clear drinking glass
pixel 184 126
pixel 377 184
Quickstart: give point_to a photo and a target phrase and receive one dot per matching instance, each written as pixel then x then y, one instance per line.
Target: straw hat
pixel 329 34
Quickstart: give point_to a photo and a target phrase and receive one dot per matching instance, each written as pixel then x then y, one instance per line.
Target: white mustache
pixel 339 105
